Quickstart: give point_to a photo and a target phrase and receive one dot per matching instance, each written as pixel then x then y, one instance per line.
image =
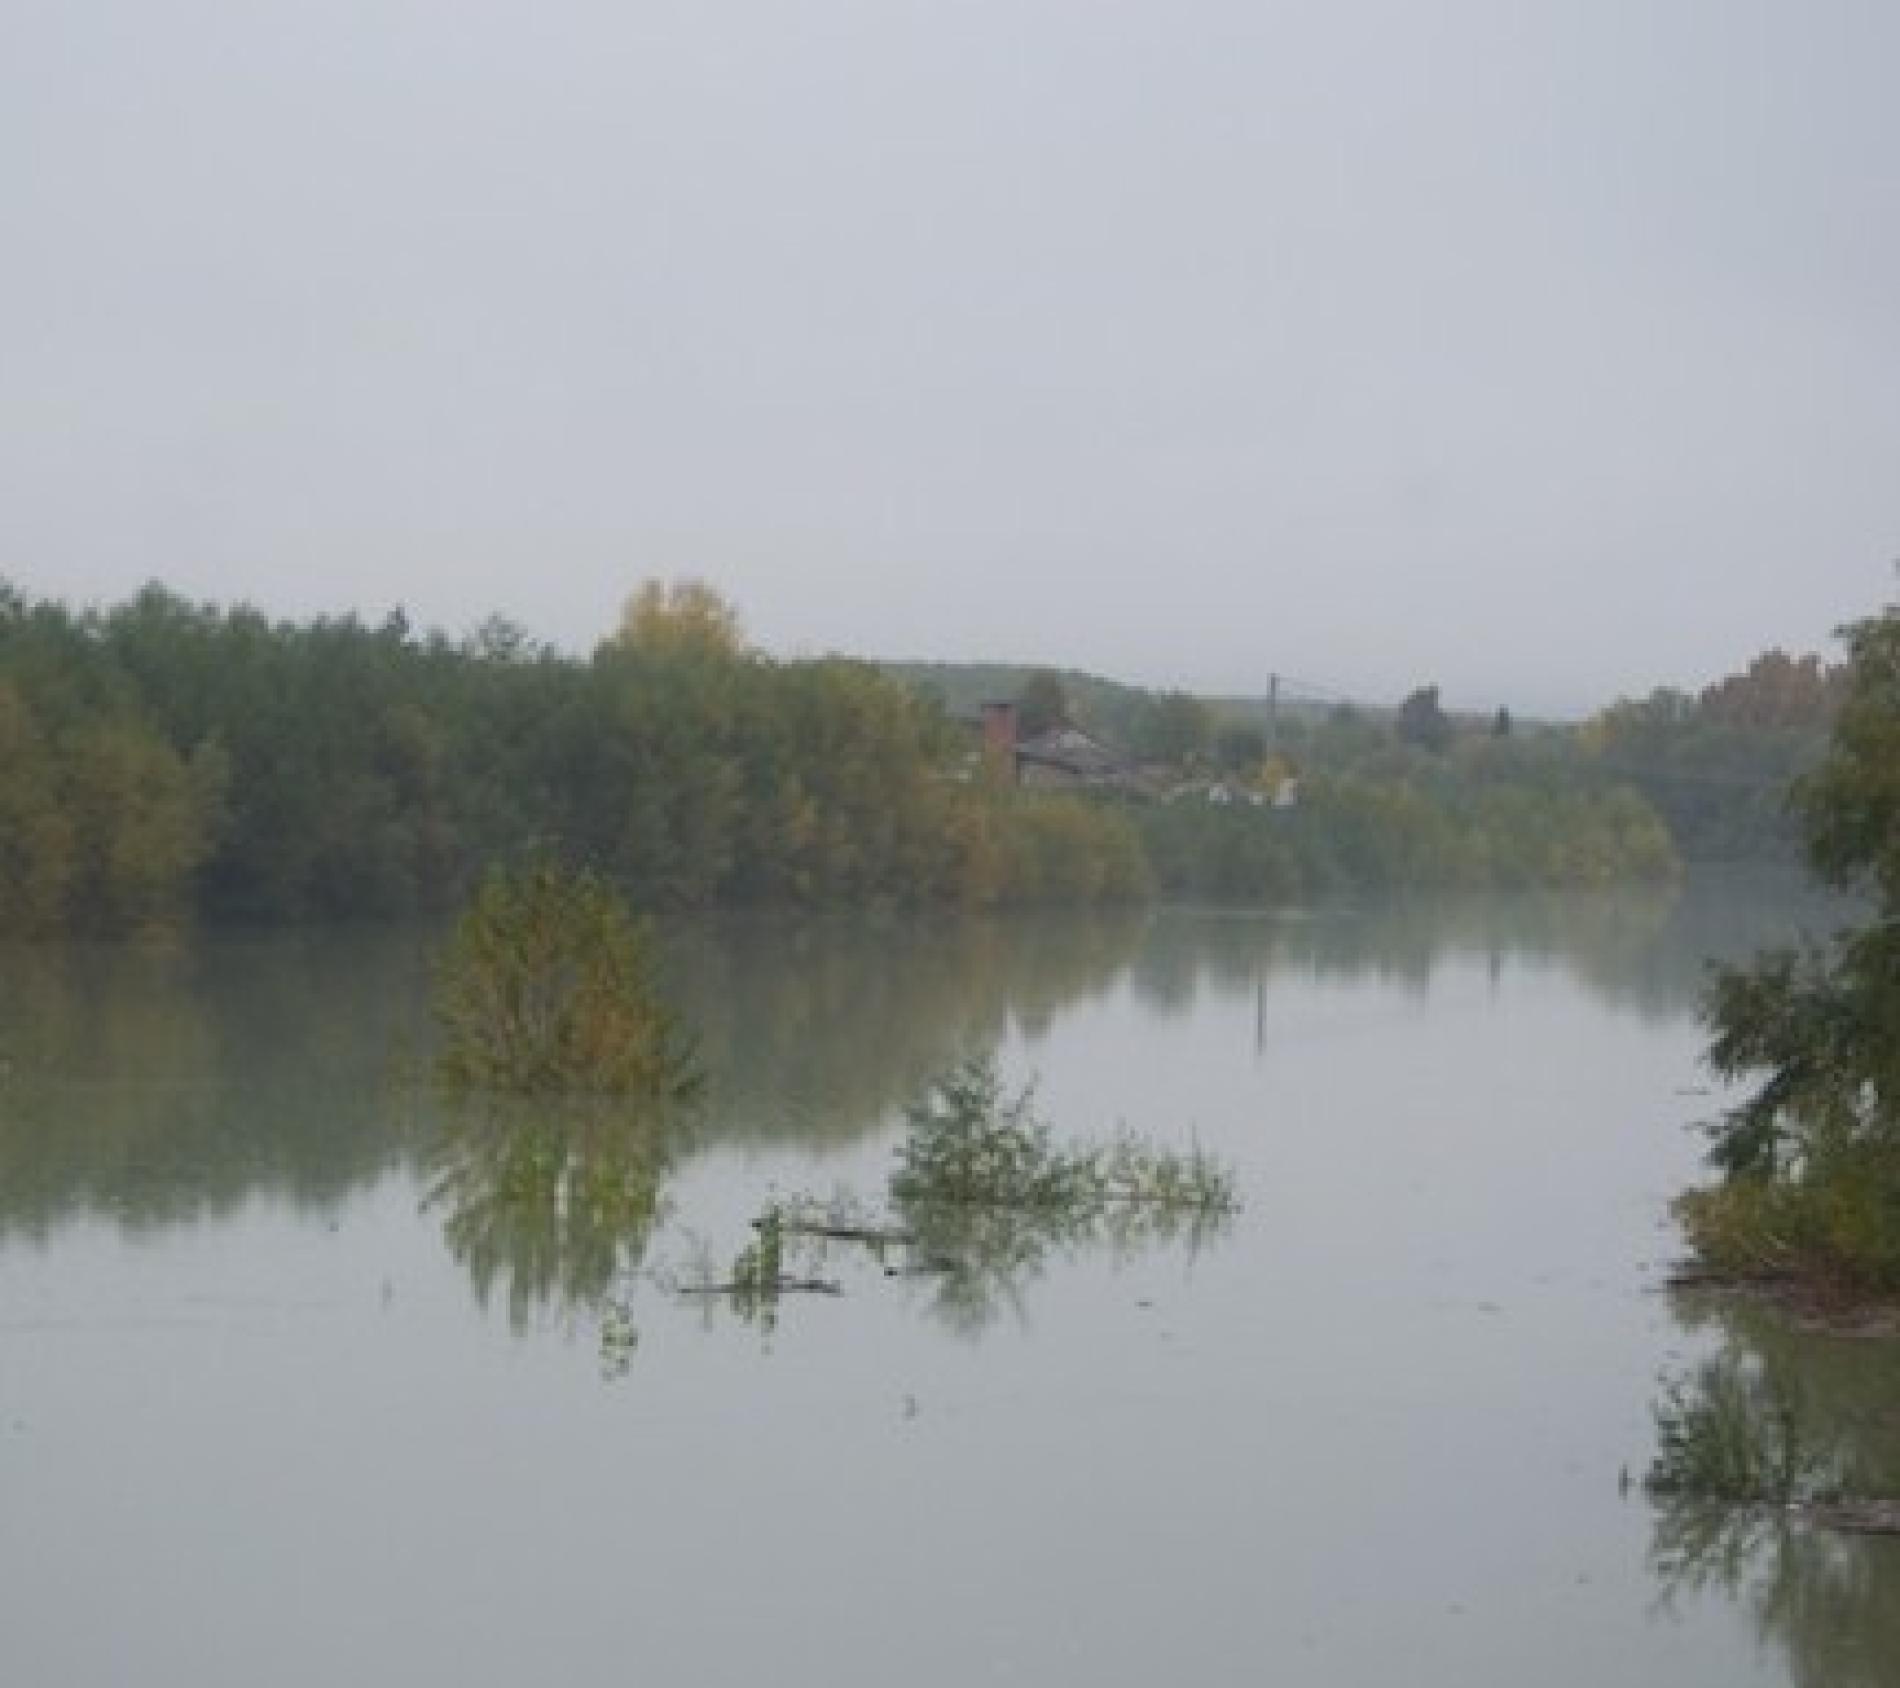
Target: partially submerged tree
pixel 547 988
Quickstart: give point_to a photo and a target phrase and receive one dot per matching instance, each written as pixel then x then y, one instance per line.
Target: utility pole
pixel 1273 712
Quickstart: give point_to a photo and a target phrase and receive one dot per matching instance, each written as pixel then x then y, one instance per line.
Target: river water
pixel 302 1383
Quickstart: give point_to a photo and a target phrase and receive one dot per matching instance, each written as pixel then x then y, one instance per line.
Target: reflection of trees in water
pixel 552 1205
pixel 988 1257
pixel 814 1031
pixel 1645 950
pixel 153 1086
pixel 1830 1601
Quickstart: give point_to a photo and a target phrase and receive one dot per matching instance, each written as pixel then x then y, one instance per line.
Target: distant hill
pixel 1107 707
pixel 964 687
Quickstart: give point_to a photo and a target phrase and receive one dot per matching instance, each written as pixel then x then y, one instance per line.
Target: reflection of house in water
pixel 1065 758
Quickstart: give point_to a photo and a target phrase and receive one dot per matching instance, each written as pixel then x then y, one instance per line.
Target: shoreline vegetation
pixel 1806 1209
pixel 164 763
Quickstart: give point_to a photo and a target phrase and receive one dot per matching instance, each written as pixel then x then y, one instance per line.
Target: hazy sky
pixel 1546 350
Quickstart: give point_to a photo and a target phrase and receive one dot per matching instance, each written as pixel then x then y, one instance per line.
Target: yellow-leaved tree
pixel 680 618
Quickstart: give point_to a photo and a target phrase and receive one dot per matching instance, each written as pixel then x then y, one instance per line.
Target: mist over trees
pixel 162 760
pixel 1718 765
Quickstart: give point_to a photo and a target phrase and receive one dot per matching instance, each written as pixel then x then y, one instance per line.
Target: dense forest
pixel 1719 766
pixel 162 760
pixel 1417 797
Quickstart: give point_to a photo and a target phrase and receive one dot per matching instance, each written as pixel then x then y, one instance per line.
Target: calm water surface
pixel 302 1385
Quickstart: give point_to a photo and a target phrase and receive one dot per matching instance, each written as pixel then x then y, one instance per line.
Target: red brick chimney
pixel 999 741
pixel 999 727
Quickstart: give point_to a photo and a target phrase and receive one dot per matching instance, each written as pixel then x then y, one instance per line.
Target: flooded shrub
pixel 969 1145
pixel 986 1195
pixel 757 1272
pixel 547 988
pixel 981 1197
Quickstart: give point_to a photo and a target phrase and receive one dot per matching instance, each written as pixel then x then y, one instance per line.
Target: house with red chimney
pixel 1065 758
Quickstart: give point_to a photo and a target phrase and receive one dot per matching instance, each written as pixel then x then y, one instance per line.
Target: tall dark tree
pixel 1422 722
pixel 1042 704
pixel 1173 727
pixel 1240 747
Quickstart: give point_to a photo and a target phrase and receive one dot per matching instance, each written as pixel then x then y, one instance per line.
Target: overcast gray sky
pixel 1545 350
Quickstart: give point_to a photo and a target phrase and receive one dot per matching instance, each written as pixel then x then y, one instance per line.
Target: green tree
pixel 1172 727
pixel 1042 704
pixel 1240 747
pixel 547 988
pixel 139 827
pixel 36 842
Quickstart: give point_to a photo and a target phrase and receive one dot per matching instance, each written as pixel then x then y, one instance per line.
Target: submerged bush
pixel 985 1193
pixel 547 988
pixel 980 1198
pixel 969 1145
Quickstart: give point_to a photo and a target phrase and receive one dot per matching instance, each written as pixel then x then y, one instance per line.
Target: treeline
pixel 162 759
pixel 1718 765
pixel 1417 797
pixel 1161 726
pixel 1483 813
